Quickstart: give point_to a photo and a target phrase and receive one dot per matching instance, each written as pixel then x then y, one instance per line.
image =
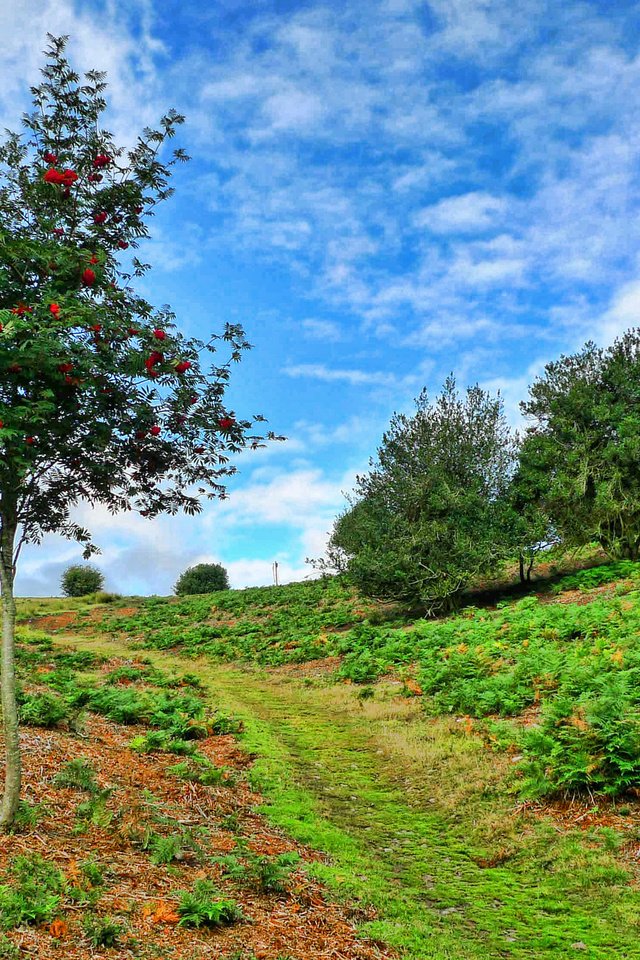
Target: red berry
pixel 58 231
pixel 159 334
pixel 100 217
pixel 88 277
pixel 139 209
pixel 198 449
pixel 96 328
pixel 53 176
pixel 102 160
pixel 50 157
pixel 29 441
pixel 94 177
pixel 154 431
pixel 123 244
pixel 182 366
pixel 54 308
pixel 225 423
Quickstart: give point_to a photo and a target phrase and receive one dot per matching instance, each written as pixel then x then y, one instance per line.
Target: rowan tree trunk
pixel 12 777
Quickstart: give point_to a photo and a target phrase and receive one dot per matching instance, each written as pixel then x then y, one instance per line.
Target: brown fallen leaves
pixel 300 924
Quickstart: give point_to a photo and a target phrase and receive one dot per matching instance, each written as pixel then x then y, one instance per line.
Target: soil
pixel 301 923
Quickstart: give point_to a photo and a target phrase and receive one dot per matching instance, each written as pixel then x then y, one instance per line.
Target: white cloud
pixel 623 314
pixel 121 40
pixel 318 371
pixel 259 573
pixel 326 330
pixel 468 213
pixel 277 497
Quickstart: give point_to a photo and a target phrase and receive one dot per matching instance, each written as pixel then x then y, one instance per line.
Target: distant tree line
pixel 454 493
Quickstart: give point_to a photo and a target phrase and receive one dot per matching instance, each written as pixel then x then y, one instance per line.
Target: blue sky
pixel 381 191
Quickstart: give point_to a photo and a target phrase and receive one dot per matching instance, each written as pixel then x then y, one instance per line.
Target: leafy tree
pixel 102 399
pixel 431 515
pixel 526 525
pixel 580 456
pixel 80 580
pixel 203 578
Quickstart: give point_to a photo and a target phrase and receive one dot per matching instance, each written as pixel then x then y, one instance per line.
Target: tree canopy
pixel 202 578
pixel 580 456
pixel 428 517
pixel 102 398
pixel 80 580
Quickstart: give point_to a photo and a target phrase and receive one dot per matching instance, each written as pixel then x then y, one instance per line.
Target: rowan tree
pixel 102 399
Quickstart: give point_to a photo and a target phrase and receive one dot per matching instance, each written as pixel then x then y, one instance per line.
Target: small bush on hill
pixel 203 578
pixel 81 580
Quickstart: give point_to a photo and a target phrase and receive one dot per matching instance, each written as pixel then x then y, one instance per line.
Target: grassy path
pixel 331 780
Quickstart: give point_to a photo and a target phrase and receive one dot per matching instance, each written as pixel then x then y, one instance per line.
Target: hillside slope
pixel 474 779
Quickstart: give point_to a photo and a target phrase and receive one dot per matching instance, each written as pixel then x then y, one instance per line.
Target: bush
pixel 103 931
pixel 589 745
pixel 81 580
pixel 78 775
pixel 198 908
pixel 103 597
pixel 203 578
pixel 43 710
pixel 34 895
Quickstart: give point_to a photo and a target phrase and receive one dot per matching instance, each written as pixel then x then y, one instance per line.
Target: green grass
pixel 416 802
pixel 417 866
pixel 580 663
pixel 412 815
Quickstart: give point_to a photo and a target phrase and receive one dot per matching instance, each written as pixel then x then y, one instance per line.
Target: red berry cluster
pixel 64 178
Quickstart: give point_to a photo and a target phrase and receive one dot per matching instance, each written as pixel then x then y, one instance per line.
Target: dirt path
pixel 333 781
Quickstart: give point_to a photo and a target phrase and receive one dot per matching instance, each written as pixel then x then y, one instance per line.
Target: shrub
pixel 81 580
pixel 592 744
pixel 103 597
pixel 8 950
pixel 103 931
pixel 203 578
pixel 95 810
pixel 198 908
pixel 34 896
pixel 77 774
pixel 122 705
pixel 43 710
pixel 199 770
pixel 271 873
pixel 28 815
pixel 165 849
